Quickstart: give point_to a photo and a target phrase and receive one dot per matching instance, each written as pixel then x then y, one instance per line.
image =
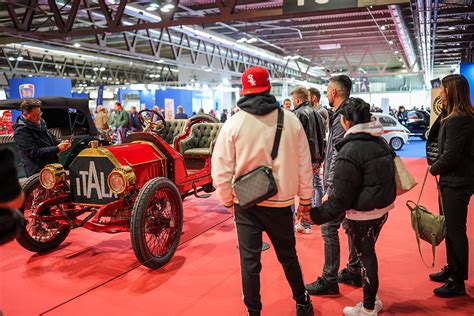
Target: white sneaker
pixel 359 309
pixel 303 230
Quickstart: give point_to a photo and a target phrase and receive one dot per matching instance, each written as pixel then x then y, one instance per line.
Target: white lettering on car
pixel 90 181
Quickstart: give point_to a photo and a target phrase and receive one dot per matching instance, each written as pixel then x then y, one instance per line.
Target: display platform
pixel 97 274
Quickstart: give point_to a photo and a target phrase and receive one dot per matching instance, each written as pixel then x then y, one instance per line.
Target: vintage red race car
pixel 137 187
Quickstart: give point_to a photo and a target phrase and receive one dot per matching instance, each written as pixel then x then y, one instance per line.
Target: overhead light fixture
pixel 445 50
pixel 102 69
pixel 208 70
pixel 396 52
pixel 451 28
pixel 242 40
pixel 169 6
pixel 329 46
pixel 11 58
pixel 20 58
pixel 160 61
pixel 404 70
pixel 76 45
pixel 383 27
pixel 95 68
pixel 165 10
pixel 151 8
pixel 390 42
pixel 252 40
pixel 322 1
pixel 441 63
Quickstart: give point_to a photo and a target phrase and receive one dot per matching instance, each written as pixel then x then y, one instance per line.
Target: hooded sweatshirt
pixel 245 142
pixel 364 177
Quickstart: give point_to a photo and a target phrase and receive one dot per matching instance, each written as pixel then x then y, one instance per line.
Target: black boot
pixel 451 289
pixel 322 287
pixel 304 307
pixel 441 276
pixel 347 277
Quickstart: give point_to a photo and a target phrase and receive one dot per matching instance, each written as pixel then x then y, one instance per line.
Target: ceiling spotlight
pixel 396 52
pixel 165 9
pixel 445 50
pixel 322 1
pixel 383 27
pixel 390 42
pixel 208 70
pixel 102 69
pixel 169 6
pixel 151 8
pixel 242 40
pixel 252 40
pixel 117 82
pixel 20 58
pixel 451 28
pixel 95 68
pixel 11 58
pixel 76 45
pixel 441 63
pixel 160 61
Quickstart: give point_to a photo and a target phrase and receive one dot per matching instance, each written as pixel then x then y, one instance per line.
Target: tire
pixel 148 207
pixel 208 188
pixel 426 133
pixel 26 238
pixel 396 143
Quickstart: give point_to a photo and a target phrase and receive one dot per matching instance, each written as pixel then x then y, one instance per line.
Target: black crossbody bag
pixel 259 184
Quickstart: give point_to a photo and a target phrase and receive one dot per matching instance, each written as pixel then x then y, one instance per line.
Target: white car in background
pixel 395 133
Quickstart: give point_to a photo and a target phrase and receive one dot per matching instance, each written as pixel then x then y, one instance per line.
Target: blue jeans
pixel 318 190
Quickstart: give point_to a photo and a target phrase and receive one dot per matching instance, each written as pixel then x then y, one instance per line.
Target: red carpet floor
pixel 97 274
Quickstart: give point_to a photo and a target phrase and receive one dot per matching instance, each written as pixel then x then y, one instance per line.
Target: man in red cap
pixel 245 143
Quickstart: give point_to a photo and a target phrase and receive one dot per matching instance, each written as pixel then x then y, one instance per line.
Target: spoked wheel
pixel 39 235
pixel 157 222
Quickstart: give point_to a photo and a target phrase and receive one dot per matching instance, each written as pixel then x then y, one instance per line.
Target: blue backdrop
pixel 467 70
pixel 42 87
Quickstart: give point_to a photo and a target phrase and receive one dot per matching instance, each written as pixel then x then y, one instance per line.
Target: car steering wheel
pixel 147 122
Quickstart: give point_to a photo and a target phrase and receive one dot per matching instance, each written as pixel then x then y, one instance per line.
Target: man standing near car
pixel 121 122
pixel 245 143
pixel 37 146
pixel 314 98
pixel 134 120
pixel 339 89
pixel 314 129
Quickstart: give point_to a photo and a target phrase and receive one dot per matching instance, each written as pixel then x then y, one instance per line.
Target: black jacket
pixel 36 145
pixel 364 178
pixel 455 163
pixel 336 134
pixel 313 125
pixel 432 142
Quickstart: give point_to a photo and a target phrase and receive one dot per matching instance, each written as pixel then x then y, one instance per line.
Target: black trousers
pixel 455 202
pixel 364 235
pixel 278 224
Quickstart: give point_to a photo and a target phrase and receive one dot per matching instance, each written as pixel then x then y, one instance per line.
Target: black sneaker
pixel 322 287
pixel 304 309
pixel 442 276
pixel 347 277
pixel 451 289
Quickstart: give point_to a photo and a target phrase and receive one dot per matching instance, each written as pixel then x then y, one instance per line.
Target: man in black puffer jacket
pixel 364 188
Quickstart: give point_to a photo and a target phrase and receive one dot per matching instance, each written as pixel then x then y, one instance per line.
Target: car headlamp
pixel 121 180
pixel 52 175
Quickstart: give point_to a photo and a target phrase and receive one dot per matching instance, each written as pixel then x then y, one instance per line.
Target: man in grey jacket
pixel 339 90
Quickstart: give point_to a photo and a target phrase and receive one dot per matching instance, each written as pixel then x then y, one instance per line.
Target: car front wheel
pixel 396 143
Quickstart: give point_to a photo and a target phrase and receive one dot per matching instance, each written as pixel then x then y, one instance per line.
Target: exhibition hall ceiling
pixel 146 41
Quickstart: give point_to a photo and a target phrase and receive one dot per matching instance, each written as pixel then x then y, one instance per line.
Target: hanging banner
pixel 100 96
pixel 169 109
pixel 295 6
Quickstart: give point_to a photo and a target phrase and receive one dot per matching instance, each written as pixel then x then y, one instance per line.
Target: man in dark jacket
pixel 180 115
pixel 313 126
pixel 363 190
pixel 11 198
pixel 36 145
pixel 134 120
pixel 339 89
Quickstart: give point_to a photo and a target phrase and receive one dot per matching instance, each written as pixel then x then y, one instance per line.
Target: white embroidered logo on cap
pixel 251 80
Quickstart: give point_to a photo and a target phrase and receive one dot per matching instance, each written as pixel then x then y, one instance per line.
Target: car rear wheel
pixel 39 235
pixel 157 222
pixel 396 143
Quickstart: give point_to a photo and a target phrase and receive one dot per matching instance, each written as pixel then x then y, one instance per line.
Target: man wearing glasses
pixel 36 145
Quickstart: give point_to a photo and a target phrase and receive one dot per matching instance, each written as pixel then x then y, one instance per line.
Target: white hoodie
pixel 245 143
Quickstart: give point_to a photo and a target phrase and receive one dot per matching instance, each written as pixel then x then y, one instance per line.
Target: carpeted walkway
pixel 97 274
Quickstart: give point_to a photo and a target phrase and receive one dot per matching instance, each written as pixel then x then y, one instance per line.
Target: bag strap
pixel 423 186
pixel 417 235
pixel 276 142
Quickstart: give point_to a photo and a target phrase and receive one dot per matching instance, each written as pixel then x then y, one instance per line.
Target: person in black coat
pixel 11 198
pixel 36 145
pixel 455 166
pixel 364 189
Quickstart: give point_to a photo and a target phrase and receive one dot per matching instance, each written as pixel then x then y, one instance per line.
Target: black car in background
pixel 66 118
pixel 418 123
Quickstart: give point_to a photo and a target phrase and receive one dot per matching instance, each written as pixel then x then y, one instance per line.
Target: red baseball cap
pixel 255 80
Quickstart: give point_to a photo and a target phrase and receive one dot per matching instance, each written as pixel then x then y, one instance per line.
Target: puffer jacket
pixel 313 125
pixel 36 145
pixel 364 176
pixel 455 163
pixel 432 142
pixel 336 134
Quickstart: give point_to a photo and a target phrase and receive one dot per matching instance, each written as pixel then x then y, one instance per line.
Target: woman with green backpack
pixel 455 167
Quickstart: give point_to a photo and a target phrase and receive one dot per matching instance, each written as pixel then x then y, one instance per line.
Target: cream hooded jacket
pixel 245 143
